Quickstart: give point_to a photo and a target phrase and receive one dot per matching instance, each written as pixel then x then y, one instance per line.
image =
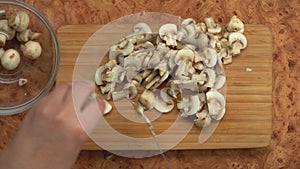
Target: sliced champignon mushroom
pixel 116 74
pixel 129 92
pixel 198 58
pixel 237 41
pixel 220 81
pixel 164 102
pixel 27 35
pixel 171 59
pixel 211 57
pixel 189 105
pixel 32 50
pixel 199 66
pixel 211 78
pixel 147 100
pixel 118 51
pixel 190 85
pixel 107 87
pixel 6 33
pixel 19 21
pixel 203 119
pixel 182 58
pixel 216 104
pixel 10 59
pixel 202 27
pixel 201 78
pixel 188 32
pixel 235 25
pixel 132 65
pixel 146 45
pixel 100 72
pixel 141 27
pixel 203 41
pixel 22 82
pixel 225 55
pixel 107 108
pixel 212 27
pixel 168 33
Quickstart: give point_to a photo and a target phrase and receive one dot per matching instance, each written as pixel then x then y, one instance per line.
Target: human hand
pixel 52 134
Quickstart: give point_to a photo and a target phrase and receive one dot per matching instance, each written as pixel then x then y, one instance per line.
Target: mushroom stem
pixel 181 70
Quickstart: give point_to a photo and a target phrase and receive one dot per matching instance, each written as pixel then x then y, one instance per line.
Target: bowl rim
pixel 15 109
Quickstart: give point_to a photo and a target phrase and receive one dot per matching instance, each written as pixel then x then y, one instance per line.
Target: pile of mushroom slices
pixel 180 66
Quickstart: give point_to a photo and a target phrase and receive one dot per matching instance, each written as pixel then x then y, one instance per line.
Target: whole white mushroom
pixel 32 50
pixel 10 59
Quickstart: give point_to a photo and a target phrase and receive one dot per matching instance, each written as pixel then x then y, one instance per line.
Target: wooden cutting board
pixel 247 123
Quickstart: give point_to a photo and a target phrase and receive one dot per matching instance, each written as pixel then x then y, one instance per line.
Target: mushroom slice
pixel 168 33
pixel 164 102
pixel 171 58
pixel 220 81
pixel 237 41
pixel 235 25
pixel 117 75
pixel 189 106
pixel 132 65
pixel 212 27
pixel 147 100
pixel 225 55
pixel 200 78
pixel 211 57
pixel 182 58
pixel 108 87
pixel 141 28
pixel 107 106
pixel 203 41
pixel 203 119
pixel 188 32
pixel 129 92
pixel 190 85
pixel 123 48
pixel 100 72
pixel 211 77
pixel 216 104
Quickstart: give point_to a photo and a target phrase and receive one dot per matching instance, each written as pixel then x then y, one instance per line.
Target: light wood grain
pixel 247 123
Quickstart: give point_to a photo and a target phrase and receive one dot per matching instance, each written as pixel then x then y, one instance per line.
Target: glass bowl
pixel 41 73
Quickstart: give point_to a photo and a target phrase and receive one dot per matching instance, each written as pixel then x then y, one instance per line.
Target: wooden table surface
pixel 282 16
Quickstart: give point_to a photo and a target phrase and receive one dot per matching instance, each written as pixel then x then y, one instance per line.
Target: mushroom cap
pixel 141 28
pixel 19 21
pixel 32 49
pixel 211 57
pixel 238 37
pixel 216 104
pixel 10 59
pixel 235 25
